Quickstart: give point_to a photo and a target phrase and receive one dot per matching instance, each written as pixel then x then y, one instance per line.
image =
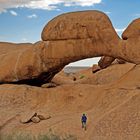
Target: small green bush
pixel 82 76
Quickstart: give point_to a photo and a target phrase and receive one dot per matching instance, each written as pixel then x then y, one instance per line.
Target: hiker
pixel 83 121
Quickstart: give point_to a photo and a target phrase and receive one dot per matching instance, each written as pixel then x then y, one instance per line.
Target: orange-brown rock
pixel 67 38
pixel 106 76
pixel 95 68
pixel 75 31
pixel 105 61
pixel 27 116
pixel 132 31
pixel 80 25
pixel 113 109
pixel 26 63
pixel 110 97
pixel 130 44
pixel 119 61
pixel 35 119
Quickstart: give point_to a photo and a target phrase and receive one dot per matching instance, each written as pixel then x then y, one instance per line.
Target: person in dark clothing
pixel 84 121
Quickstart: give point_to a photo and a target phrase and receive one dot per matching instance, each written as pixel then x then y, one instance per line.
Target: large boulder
pixel 95 68
pixel 105 61
pixel 132 31
pixel 80 25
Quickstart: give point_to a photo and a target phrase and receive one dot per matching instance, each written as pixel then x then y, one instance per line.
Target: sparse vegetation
pixel 82 76
pixel 48 136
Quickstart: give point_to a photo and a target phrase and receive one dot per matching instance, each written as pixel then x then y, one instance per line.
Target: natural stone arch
pixel 67 38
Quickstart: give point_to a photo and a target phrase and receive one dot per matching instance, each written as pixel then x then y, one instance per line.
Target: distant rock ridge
pixel 67 38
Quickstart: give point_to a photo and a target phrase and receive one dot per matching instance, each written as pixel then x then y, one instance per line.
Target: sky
pixel 23 20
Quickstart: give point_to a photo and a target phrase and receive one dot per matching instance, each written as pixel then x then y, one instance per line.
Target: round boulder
pixel 35 119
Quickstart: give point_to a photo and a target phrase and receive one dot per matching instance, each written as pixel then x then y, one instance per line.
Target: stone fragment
pixel 48 85
pixel 95 68
pixel 27 116
pixel 35 119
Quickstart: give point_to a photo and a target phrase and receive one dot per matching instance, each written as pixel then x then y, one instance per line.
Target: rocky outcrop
pixel 106 61
pixel 67 38
pixel 119 61
pixel 132 31
pixel 95 68
pixel 25 63
pixel 80 25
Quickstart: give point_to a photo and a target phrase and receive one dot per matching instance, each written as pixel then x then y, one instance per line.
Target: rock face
pixel 119 61
pixel 95 68
pixel 132 31
pixel 79 25
pixel 27 64
pixel 67 38
pixel 105 61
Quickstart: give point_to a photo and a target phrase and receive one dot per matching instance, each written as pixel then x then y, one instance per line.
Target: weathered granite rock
pixel 79 25
pixel 132 31
pixel 130 49
pixel 67 38
pixel 25 63
pixel 95 68
pixel 35 119
pixel 48 85
pixel 119 61
pixel 27 116
pixel 105 61
pixel 43 117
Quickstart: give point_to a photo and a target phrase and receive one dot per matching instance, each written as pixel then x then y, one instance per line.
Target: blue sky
pixel 23 21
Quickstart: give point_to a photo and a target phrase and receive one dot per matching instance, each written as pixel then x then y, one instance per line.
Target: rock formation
pixel 110 97
pixel 67 38
pixel 106 61
pixel 95 68
pixel 29 63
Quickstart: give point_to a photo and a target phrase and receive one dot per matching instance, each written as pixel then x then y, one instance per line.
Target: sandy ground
pixel 110 98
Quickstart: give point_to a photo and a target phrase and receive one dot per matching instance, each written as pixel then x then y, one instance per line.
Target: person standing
pixel 84 121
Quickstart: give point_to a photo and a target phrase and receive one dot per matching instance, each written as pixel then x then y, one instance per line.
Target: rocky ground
pixel 109 97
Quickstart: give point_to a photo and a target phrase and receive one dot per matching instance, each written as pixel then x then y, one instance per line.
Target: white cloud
pixel 32 16
pixel 137 15
pixel 13 13
pixel 107 12
pixel 44 4
pixel 119 30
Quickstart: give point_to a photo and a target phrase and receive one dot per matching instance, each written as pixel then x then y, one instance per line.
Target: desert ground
pixel 110 101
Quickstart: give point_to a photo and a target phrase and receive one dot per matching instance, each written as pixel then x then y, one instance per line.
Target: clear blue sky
pixel 24 20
